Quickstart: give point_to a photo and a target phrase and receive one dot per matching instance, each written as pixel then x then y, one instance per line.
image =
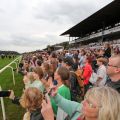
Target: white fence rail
pixel 9 66
pixel 2 106
pixel 16 62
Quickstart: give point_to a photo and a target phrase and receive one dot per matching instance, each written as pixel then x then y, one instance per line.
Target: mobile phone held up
pixel 5 93
pixel 47 77
pixel 55 82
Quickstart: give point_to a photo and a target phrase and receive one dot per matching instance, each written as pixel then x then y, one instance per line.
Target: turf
pixel 4 62
pixel 13 112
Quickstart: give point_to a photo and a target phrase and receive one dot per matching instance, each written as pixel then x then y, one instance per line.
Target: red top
pixel 87 73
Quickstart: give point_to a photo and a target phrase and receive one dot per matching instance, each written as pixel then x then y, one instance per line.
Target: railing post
pixel 13 75
pixel 1 98
pixel 9 66
pixel 15 64
pixel 2 106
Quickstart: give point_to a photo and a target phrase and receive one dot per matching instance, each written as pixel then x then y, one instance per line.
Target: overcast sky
pixel 27 25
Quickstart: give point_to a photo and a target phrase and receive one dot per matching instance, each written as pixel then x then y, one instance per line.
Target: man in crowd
pixel 107 50
pixel 113 71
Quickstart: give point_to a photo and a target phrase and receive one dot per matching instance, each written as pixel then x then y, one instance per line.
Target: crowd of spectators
pixel 81 84
pixel 114 45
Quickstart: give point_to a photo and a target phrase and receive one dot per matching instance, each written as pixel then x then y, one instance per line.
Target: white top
pixel 81 61
pixel 101 72
pixel 61 115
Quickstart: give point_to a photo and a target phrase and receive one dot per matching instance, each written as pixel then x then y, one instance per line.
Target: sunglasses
pixel 91 105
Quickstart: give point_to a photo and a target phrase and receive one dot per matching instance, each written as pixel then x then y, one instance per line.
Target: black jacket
pixel 114 85
pixel 107 53
pixel 36 115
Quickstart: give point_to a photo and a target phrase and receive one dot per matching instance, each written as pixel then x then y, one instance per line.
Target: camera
pixel 5 93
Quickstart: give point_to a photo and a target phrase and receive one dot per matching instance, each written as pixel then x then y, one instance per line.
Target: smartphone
pixel 5 93
pixel 46 98
pixel 47 77
pixel 55 82
pixel 50 92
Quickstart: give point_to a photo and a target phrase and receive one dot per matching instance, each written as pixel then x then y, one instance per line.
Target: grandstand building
pixel 102 26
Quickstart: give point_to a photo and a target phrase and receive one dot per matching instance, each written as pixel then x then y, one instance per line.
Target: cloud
pixel 1 10
pixel 27 25
pixel 25 42
pixel 35 41
pixel 74 11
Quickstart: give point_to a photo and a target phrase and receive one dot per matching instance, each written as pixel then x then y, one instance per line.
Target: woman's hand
pixel 50 81
pixel 12 95
pixel 52 91
pixel 47 111
pixel 47 83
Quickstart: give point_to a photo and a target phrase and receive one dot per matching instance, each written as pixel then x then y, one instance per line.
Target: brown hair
pixel 46 66
pixel 84 52
pixel 103 60
pixel 53 54
pixel 89 59
pixel 30 76
pixel 64 74
pixel 31 99
pixel 53 65
pixel 107 45
pixel 39 71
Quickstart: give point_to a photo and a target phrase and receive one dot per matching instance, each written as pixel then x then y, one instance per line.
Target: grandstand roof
pixel 107 16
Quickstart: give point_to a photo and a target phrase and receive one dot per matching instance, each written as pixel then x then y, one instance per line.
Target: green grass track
pixel 13 112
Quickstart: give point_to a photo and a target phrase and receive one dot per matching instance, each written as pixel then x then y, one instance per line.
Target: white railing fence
pixel 16 62
pixel 2 106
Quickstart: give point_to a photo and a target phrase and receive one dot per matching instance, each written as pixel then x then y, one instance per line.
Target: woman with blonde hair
pixel 31 100
pixel 28 79
pixel 100 103
pixel 106 100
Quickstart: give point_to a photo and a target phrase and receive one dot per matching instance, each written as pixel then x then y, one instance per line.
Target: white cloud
pixel 27 25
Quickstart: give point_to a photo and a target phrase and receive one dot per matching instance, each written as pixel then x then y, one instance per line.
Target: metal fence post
pixel 2 106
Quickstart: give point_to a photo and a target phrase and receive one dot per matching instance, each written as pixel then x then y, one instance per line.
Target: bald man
pixel 113 71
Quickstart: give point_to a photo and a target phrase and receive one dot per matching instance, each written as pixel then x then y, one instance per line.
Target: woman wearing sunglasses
pixel 100 103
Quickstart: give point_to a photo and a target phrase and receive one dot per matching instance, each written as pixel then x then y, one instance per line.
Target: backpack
pixel 76 86
pixel 79 73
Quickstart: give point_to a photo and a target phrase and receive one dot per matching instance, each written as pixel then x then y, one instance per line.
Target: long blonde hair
pixel 109 100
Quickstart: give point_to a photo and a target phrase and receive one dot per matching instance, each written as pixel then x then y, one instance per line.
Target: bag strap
pixel 69 118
